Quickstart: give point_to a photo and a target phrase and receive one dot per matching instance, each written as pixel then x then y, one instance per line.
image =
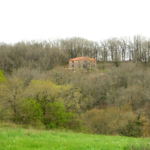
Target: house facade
pixel 82 62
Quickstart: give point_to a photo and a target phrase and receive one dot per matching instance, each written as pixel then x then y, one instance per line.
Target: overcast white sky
pixel 90 19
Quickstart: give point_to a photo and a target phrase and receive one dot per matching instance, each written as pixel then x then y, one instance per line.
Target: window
pixel 72 61
pixel 72 66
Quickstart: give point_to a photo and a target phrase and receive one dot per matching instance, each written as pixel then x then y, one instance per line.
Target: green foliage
pixel 31 111
pixel 28 112
pixel 56 115
pixel 51 126
pixel 48 96
pixel 2 78
pixel 2 110
pixel 44 92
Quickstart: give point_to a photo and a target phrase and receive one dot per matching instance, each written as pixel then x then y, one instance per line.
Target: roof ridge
pixel 82 58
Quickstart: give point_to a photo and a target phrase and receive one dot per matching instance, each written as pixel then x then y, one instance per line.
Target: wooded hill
pixel 48 54
pixel 36 89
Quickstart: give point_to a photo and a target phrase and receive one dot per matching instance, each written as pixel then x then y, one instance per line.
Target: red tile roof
pixel 82 58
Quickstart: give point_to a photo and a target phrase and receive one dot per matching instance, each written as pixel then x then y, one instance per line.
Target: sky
pixel 91 19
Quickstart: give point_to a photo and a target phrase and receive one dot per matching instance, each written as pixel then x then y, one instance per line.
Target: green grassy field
pixel 32 139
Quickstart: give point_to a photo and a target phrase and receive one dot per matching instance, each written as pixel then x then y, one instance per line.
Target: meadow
pixel 18 138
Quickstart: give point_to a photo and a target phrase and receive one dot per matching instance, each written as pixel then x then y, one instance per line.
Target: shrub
pixel 102 121
pixel 51 126
pixel 76 125
pixel 112 120
pixel 132 129
pixel 56 115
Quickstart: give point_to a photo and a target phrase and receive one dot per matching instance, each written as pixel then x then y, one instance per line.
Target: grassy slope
pixel 31 139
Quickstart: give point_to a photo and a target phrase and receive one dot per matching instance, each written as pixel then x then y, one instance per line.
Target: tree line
pixel 48 54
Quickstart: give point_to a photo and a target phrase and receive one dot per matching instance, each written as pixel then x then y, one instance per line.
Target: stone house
pixel 82 62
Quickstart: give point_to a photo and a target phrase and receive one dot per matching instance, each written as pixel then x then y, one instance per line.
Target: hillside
pixel 37 89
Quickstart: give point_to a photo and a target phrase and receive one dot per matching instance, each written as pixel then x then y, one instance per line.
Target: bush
pixel 102 121
pixel 56 115
pixel 112 121
pixel 51 126
pixel 131 129
pixel 76 125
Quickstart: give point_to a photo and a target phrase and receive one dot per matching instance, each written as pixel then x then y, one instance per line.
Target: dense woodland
pixel 37 88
